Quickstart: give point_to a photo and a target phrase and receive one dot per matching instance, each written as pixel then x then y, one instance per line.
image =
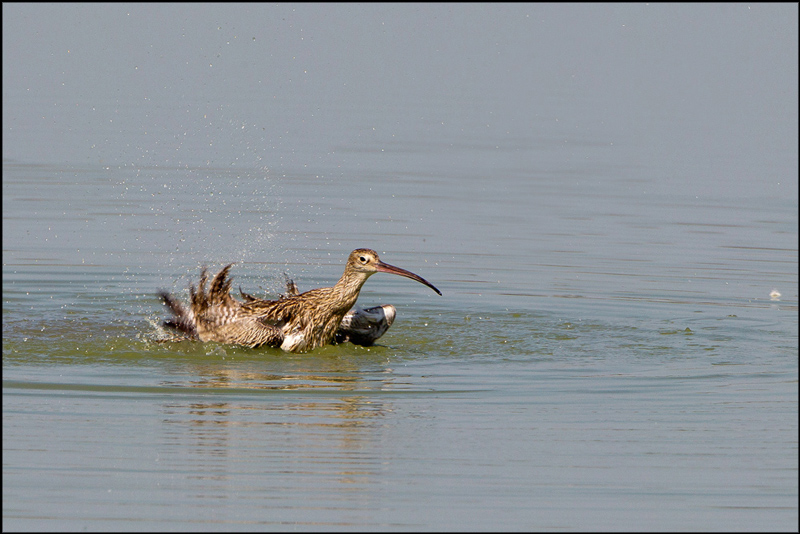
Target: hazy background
pixel 691 86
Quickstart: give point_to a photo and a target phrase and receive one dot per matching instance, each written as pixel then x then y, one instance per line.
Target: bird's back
pixel 308 320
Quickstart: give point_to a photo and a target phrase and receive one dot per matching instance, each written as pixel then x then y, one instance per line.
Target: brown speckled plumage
pixel 295 322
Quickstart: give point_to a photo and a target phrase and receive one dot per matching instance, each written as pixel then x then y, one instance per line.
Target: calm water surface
pixel 553 386
pixel 607 354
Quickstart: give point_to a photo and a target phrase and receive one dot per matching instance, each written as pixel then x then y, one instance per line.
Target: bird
pixel 295 322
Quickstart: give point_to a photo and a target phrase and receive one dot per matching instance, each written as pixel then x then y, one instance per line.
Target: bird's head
pixel 366 262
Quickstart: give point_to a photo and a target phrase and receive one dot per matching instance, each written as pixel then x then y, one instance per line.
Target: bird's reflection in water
pixel 281 427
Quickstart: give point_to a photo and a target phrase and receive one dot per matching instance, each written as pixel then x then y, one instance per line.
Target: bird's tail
pixel 208 309
pixel 183 318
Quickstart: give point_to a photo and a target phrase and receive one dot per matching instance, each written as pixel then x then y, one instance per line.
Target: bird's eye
pixel 363 259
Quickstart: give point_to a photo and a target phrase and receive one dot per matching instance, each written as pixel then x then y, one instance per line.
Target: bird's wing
pixel 220 317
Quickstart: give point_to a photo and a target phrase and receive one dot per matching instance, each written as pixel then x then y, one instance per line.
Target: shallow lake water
pixel 542 381
pixel 616 347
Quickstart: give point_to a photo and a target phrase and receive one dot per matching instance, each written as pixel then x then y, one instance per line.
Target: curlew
pixel 296 322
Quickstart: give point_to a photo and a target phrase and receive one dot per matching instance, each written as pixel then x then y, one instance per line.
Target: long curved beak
pixel 386 268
